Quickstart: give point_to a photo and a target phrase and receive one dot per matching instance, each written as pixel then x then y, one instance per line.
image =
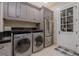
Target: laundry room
pixel 39 29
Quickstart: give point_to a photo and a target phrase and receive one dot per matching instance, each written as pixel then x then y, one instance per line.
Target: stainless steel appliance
pixel 38 41
pixel 48 26
pixel 22 44
pixel 48 33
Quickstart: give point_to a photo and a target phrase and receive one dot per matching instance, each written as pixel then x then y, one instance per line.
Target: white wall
pixel 58 5
pixel 1 17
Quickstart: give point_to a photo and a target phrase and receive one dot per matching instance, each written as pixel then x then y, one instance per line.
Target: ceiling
pixel 49 5
pixel 40 4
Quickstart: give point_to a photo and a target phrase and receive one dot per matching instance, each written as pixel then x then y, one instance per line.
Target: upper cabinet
pixel 12 9
pixel 21 11
pixel 37 15
pixel 18 10
pixel 48 21
pixel 5 11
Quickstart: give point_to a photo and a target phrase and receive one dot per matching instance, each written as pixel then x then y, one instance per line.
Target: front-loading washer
pixel 23 44
pixel 38 41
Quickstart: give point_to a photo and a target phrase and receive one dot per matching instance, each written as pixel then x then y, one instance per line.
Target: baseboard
pixel 69 50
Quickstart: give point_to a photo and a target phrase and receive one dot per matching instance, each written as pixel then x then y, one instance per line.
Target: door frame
pixel 74 26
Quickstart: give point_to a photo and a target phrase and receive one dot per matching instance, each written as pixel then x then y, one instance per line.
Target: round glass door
pixel 39 41
pixel 22 45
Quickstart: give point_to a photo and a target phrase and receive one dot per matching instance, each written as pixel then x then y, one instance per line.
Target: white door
pixel 77 45
pixel 68 26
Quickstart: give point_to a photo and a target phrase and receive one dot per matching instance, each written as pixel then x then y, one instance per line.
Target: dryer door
pixel 39 41
pixel 22 45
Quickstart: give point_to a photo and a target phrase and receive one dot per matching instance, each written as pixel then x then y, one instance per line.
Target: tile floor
pixel 49 51
pixel 5 51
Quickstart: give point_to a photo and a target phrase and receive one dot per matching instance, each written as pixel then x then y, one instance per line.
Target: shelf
pixel 21 20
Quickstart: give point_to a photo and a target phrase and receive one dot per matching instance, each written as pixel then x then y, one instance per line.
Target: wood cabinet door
pixel 18 9
pixel 23 10
pixel 35 15
pixel 31 13
pixel 28 12
pixel 11 9
pixel 5 9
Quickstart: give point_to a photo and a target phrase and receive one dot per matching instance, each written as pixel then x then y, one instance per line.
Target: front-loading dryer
pixel 23 44
pixel 38 41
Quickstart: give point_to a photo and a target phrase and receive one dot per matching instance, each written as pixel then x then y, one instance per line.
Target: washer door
pixel 22 45
pixel 39 41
